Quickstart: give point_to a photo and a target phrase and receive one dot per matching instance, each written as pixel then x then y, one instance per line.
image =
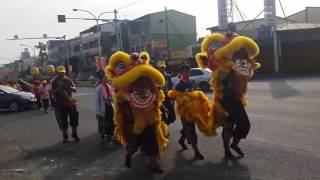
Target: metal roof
pixel 296 26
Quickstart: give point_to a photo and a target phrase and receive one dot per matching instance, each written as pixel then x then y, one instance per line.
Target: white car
pixel 201 77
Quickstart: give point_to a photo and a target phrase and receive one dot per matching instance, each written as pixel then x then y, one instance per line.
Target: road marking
pixel 83 94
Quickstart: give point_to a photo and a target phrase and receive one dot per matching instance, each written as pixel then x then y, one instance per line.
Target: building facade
pixel 152 33
pixel 290 45
pixel 57 52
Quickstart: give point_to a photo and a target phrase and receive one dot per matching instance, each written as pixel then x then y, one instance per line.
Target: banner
pixel 159 43
pixel 179 54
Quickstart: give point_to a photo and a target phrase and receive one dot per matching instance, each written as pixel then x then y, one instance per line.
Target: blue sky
pixel 32 18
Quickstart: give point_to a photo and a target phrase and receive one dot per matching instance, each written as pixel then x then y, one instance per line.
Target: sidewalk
pixel 275 76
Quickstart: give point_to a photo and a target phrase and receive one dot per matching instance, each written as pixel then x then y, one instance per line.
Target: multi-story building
pixel 57 52
pixel 85 48
pixel 25 54
pixel 152 33
pixel 147 33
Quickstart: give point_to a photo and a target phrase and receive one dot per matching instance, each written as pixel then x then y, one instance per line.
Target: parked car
pixel 92 78
pixel 201 77
pixel 15 100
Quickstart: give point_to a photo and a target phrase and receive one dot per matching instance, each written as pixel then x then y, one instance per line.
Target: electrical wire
pixel 133 3
pixel 239 11
pixel 239 19
pixel 230 13
pixel 283 11
pixel 251 21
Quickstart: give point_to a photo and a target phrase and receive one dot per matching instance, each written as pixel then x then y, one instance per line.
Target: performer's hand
pixel 72 88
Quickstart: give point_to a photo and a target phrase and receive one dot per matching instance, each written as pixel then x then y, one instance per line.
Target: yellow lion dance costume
pixel 137 97
pixel 224 54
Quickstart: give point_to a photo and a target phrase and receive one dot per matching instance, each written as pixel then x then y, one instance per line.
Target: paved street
pixel 283 142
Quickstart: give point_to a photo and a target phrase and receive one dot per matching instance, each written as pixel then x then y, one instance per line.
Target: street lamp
pixel 97 18
pixel 32 47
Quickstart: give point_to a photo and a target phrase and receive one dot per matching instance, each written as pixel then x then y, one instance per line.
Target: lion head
pixel 226 52
pixel 132 74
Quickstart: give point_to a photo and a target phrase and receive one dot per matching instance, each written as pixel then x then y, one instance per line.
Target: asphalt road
pixel 283 142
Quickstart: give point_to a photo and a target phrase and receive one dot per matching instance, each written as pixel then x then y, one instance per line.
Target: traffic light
pixel 61 18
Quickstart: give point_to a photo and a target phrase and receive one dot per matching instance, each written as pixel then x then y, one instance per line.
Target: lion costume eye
pixel 120 67
pixel 215 45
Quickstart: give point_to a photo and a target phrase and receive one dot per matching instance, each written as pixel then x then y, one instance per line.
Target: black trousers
pixel 188 131
pixel 38 102
pixel 45 103
pixel 62 112
pixel 238 122
pixel 147 139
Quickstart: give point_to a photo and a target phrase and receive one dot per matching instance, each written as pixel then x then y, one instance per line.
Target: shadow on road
pixel 190 169
pixel 62 160
pixel 225 169
pixel 281 89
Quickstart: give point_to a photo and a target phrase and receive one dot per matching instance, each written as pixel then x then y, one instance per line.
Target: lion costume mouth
pixel 141 93
pixel 242 65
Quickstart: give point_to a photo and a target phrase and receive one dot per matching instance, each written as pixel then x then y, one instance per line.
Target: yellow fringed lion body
pixel 218 53
pixel 194 107
pixel 122 71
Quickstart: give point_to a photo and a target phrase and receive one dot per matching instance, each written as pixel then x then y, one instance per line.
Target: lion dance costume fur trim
pixel 222 54
pixel 123 70
pixel 194 107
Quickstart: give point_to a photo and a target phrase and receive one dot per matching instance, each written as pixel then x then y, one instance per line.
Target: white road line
pixel 83 94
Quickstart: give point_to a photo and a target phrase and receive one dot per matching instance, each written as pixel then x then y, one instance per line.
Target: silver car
pixel 201 77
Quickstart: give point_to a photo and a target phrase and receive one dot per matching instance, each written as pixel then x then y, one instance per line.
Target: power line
pixel 230 13
pixel 251 21
pixel 283 11
pixel 243 16
pixel 239 19
pixel 133 3
pixel 246 17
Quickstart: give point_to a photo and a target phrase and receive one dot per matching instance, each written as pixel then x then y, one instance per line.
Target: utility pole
pixel 167 34
pixel 117 31
pixel 222 15
pixel 67 53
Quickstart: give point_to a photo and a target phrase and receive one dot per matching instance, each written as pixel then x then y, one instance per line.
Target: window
pixel 196 72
